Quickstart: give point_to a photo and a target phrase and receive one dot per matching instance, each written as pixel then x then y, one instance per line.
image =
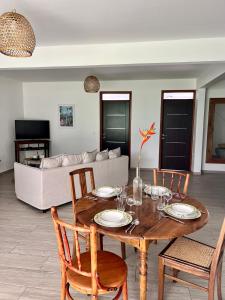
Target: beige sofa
pixel 43 188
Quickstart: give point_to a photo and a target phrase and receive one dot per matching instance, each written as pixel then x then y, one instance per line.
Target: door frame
pixel 161 123
pixel 101 119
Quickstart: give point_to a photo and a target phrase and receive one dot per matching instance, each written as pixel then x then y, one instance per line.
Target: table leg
pixel 143 269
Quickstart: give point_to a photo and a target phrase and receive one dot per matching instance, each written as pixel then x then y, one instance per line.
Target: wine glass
pixel 167 197
pixel 130 202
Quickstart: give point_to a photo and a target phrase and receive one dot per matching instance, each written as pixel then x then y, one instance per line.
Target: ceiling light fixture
pixel 16 35
pixel 91 84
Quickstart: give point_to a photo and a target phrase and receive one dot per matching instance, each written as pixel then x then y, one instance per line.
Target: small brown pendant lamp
pixel 91 84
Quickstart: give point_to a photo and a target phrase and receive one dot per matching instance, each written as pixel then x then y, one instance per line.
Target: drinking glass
pixel 145 185
pixel 154 193
pixel 161 203
pixel 117 191
pixel 130 202
pixel 124 190
pixel 121 202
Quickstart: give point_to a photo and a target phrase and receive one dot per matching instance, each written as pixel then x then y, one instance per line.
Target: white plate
pixel 162 190
pixel 112 218
pixel 106 192
pixel 182 211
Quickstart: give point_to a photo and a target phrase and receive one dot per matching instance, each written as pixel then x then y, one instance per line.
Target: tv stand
pixel 31 145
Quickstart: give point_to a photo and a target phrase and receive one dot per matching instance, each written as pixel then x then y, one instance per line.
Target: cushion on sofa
pixel 103 155
pixel 49 163
pixel 89 156
pixel 71 160
pixel 115 153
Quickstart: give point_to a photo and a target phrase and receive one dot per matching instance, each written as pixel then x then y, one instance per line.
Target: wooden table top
pixel 151 227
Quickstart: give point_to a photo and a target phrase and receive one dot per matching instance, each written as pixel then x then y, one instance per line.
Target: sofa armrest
pixel 28 184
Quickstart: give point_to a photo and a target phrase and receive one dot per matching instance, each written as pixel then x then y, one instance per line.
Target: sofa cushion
pixel 51 162
pixel 89 156
pixel 71 160
pixel 115 153
pixel 103 155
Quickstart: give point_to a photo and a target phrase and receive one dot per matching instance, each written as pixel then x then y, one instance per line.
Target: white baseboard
pixel 196 173
pixel 6 171
pixel 213 172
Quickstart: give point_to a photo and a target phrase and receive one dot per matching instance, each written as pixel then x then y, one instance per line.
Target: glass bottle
pixel 137 188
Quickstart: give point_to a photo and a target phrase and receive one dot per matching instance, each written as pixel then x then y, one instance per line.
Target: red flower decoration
pixel 146 134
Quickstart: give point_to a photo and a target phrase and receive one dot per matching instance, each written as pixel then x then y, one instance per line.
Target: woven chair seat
pixel 188 251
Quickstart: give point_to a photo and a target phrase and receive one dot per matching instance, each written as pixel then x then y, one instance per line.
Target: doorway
pixel 115 121
pixel 177 109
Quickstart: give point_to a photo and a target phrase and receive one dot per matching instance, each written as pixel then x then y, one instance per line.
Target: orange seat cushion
pixel 111 269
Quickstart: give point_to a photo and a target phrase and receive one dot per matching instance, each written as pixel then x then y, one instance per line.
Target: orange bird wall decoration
pixel 146 135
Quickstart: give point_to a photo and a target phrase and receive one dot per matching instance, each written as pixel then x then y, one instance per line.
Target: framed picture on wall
pixel 66 115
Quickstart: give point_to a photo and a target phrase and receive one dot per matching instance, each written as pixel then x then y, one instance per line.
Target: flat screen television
pixel 32 129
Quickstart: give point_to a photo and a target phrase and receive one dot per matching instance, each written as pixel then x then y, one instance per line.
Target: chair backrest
pixel 218 253
pixel 172 179
pixel 81 174
pixel 64 248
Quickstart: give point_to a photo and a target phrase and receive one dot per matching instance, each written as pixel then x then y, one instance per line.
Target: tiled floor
pixel 29 268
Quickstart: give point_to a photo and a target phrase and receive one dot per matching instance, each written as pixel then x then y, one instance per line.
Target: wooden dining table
pixel 152 226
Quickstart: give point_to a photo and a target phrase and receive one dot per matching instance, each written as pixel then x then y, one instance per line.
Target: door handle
pixel 163 135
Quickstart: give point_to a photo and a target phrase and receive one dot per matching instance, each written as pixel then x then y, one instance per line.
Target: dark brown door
pixel 176 130
pixel 115 121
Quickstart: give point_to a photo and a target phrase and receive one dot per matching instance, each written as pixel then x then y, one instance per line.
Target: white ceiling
pixel 65 22
pixel 110 73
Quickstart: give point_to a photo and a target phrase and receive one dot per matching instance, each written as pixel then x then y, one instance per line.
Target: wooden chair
pixel 172 179
pixel 84 192
pixel 94 272
pixel 193 257
pixel 81 173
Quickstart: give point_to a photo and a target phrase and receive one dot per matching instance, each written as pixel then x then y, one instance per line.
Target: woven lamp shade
pixel 91 84
pixel 16 35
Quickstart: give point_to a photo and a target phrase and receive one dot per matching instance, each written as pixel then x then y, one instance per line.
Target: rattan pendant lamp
pixel 91 84
pixel 16 35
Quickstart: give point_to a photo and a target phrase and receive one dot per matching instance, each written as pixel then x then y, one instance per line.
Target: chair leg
pixel 161 270
pixel 211 287
pixel 63 286
pixel 68 296
pixel 124 290
pixel 123 250
pixel 219 280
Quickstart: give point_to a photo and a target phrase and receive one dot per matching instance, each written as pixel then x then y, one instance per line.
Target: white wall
pixel 11 108
pixel 215 91
pixel 198 132
pixel 41 102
